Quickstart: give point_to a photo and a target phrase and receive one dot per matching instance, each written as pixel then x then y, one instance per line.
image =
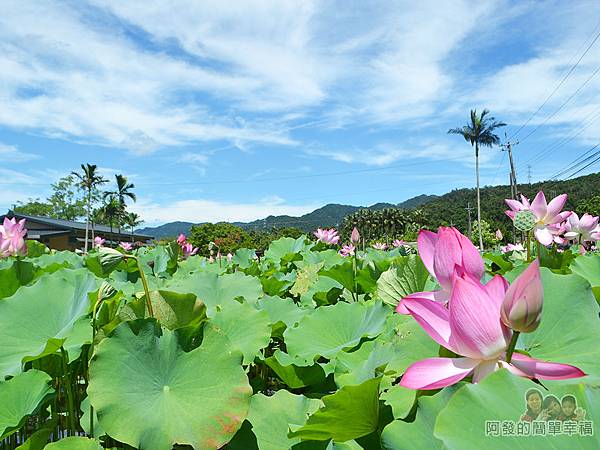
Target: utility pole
pixel 469 208
pixel 529 173
pixel 513 175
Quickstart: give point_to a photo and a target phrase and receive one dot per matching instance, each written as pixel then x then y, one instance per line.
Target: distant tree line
pixel 79 196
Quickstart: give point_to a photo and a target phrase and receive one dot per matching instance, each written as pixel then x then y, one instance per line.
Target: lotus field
pixel 321 343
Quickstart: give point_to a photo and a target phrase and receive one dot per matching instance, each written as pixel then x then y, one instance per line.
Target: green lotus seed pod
pixel 525 220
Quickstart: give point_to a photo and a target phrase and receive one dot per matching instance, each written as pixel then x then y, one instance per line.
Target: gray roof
pixel 71 225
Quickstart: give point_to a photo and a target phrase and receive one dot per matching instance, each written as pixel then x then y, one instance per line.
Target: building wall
pixel 59 243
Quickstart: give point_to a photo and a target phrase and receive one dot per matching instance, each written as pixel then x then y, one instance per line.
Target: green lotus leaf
pixel 243 257
pixel 350 413
pixel 14 273
pixel 569 331
pixel 286 248
pixel 331 329
pixel 324 291
pixel 271 417
pixel 277 283
pixel 306 277
pixel 74 443
pixel 38 319
pixel 369 361
pixel 150 394
pixel 292 375
pixel 51 262
pixel 328 258
pixel 283 313
pixel 21 396
pixel 215 290
pixel 249 338
pixel 172 309
pixel 501 397
pixel 400 399
pixel 401 280
pixel 400 435
pixel 588 267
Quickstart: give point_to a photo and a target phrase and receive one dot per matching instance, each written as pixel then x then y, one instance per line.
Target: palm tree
pixel 112 210
pixel 89 180
pixel 123 191
pixel 479 132
pixel 133 220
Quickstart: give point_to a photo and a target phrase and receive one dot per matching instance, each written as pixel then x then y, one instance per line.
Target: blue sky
pixel 238 110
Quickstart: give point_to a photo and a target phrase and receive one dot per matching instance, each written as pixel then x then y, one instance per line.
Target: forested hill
pixel 450 208
pixel 329 215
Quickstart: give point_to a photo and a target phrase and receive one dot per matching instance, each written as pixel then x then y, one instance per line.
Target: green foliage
pixel 226 236
pixel 488 235
pixel 66 202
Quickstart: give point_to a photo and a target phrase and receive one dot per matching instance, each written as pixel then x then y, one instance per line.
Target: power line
pixel 557 110
pixel 562 80
pixel 565 140
pixel 577 162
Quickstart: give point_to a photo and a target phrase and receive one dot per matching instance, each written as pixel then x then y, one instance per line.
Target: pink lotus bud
pixel 499 235
pixel 229 257
pixel 355 236
pixel 521 308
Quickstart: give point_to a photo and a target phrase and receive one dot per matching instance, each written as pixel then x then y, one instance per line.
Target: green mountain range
pixel 448 209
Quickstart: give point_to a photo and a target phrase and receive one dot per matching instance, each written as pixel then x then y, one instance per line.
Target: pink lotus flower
pixel 181 239
pixel 584 229
pixel 229 257
pixel 512 248
pixel 546 214
pixel 327 236
pixel 499 235
pixel 521 308
pixel 347 250
pixel 471 327
pixel 127 246
pixel 355 236
pixel 12 238
pixel 443 253
pixel 398 243
pixel 98 241
pixel 188 250
pixel 380 246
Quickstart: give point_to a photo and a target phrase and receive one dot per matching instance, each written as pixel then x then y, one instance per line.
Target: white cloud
pixel 201 210
pixel 423 153
pixel 67 77
pixel 11 154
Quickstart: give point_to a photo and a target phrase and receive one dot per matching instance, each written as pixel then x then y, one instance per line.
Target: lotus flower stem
pixel 511 346
pixel 528 246
pixel 354 270
pixel 146 290
pixel 69 391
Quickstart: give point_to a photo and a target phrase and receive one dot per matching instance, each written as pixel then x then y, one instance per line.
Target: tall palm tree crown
pixel 479 132
pixel 123 191
pixel 89 180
